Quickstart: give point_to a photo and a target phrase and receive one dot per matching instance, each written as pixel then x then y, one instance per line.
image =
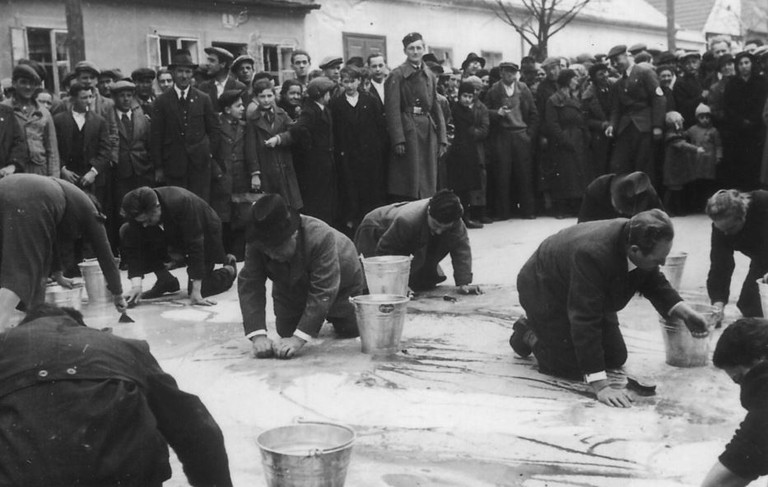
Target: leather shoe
pixel 472 224
pixel 160 288
pixel 517 340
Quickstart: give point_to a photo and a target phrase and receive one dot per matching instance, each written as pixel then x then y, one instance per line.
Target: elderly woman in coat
pixel 565 172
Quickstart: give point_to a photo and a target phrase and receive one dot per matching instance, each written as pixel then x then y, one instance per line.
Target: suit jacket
pixel 597 204
pixel 133 155
pixel 209 88
pixel 13 150
pixel 179 146
pixel 96 144
pixel 104 107
pixel 638 100
pixel 324 270
pixel 578 276
pixel 496 97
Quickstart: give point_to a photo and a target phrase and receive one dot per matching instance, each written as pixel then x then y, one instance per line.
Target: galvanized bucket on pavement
pixel 387 274
pixel 682 348
pixel 309 454
pixel 380 319
pixel 95 282
pixel 673 268
pixel 64 297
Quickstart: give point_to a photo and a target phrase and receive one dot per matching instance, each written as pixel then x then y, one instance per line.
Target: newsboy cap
pixel 509 66
pixel 88 67
pixel 330 61
pixel 271 221
pixel 229 97
pixel 550 61
pixel 122 85
pixel 143 74
pixel 114 73
pixel 23 71
pixel 222 54
pixel 617 50
pixel 245 58
pixel 688 54
pixel 319 86
pixel 411 38
pixel 637 48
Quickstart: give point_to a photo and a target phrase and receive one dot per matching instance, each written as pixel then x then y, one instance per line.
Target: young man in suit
pixel 185 131
pixel 637 114
pixel 574 284
pixel 217 68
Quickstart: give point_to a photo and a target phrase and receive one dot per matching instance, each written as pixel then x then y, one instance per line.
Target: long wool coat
pixel 414 174
pixel 565 170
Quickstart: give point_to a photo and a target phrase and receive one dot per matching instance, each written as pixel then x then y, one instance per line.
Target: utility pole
pixel 671 30
pixel 75 31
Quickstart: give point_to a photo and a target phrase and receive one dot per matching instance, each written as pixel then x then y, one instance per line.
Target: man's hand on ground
pixel 470 289
pixel 63 281
pixel 288 347
pixel 263 347
pixel 134 295
pixel 196 297
pixel 120 305
pixel 617 398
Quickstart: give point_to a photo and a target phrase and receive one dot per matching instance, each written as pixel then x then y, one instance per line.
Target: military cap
pixel 473 57
pixel 411 38
pixel 245 58
pixel 271 221
pixel 330 61
pixel 617 50
pixel 509 66
pixel 445 207
pixel 222 54
pixel 319 86
pixel 435 67
pixel 87 66
pixel 115 74
pixel 550 61
pixel 23 71
pixel 229 97
pixel 122 85
pixel 637 48
pixel 143 74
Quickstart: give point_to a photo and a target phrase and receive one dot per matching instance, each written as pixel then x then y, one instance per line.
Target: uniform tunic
pixel 32 229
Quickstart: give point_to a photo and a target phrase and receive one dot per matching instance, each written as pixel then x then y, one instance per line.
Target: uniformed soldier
pixel 637 114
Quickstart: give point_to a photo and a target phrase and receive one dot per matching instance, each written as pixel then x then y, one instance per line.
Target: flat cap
pixel 508 65
pixel 666 57
pixel 229 97
pixel 550 61
pixel 87 66
pixel 412 37
pixel 617 50
pixel 114 73
pixel 122 85
pixel 330 61
pixel 319 86
pixel 688 54
pixel 221 53
pixel 23 71
pixel 143 74
pixel 245 58
pixel 637 48
pixel 585 57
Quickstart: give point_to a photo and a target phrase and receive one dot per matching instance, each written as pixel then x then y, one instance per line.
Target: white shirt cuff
pixel 590 378
pixel 673 308
pixel 93 169
pixel 136 281
pixel 302 335
pixel 256 334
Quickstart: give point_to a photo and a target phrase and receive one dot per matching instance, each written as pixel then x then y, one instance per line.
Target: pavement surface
pixel 456 407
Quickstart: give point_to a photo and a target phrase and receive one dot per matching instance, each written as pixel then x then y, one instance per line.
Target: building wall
pixel 116 33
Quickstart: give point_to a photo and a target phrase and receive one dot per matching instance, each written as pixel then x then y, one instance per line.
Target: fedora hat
pixel 631 193
pixel 473 57
pixel 271 221
pixel 182 58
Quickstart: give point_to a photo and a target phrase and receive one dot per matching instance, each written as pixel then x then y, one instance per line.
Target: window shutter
pixel 153 51
pixel 19 43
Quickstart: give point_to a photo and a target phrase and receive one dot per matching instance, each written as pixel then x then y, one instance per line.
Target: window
pixel 276 60
pixel 363 45
pixel 444 54
pixel 492 58
pixel 161 48
pixel 47 47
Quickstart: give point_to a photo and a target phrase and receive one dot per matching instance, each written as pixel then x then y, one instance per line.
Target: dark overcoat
pixel 466 156
pixel 743 132
pixel 409 90
pixel 209 88
pixel 578 276
pixel 13 150
pixel 230 175
pixel 565 169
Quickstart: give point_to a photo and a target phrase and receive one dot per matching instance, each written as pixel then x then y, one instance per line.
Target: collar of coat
pixel 409 70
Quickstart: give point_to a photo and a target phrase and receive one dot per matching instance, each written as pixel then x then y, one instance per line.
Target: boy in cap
pixel 616 196
pixel 427 229
pixel 40 146
pixel 415 123
pixel 316 169
pixel 218 61
pixel 173 224
pixel 144 78
pixel 244 67
pixel 314 271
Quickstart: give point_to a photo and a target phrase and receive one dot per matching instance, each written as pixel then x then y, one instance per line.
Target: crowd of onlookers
pixel 341 140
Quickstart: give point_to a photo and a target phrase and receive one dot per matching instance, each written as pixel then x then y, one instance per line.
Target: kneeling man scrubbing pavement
pixel 574 284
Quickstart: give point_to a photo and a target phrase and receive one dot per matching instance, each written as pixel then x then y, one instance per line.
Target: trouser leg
pixel 522 172
pixel 342 317
pixel 217 281
pixel 425 266
pixel 749 302
pixel 287 316
pixel 502 176
pixel 144 249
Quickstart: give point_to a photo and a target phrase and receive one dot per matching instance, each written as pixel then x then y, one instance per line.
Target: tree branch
pixel 503 14
pixel 566 18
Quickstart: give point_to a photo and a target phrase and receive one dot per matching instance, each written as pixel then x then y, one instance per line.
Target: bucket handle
pixel 316 452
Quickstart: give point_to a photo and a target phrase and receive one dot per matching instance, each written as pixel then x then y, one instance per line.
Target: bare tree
pixel 538 20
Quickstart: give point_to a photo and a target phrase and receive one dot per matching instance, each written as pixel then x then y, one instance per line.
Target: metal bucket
pixel 95 282
pixel 63 297
pixel 682 348
pixel 387 274
pixel 763 287
pixel 308 454
pixel 673 268
pixel 380 319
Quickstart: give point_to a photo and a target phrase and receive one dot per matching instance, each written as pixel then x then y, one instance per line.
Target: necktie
pixel 127 125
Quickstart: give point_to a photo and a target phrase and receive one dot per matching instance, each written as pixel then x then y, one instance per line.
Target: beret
pixel 23 71
pixel 466 87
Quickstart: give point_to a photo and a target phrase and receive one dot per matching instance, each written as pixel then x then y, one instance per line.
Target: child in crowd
pixel 679 159
pixel 466 156
pixel 230 176
pixel 705 136
pixel 267 147
pixel 291 96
